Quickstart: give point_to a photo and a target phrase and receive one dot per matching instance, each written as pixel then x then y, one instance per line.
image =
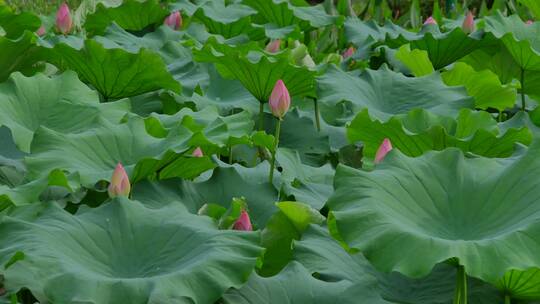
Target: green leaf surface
pixel 94 153
pixel 132 15
pixel 484 86
pixel 122 252
pixel 419 132
pixel 477 210
pixel 15 24
pixel 295 285
pixel 21 54
pixel 385 93
pixel 257 71
pixel 63 104
pixel 416 60
pixel 116 73
pixel 283 13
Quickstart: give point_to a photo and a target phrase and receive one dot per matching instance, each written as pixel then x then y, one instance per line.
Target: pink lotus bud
pixel 384 148
pixel 280 101
pixel 41 31
pixel 174 20
pixel 243 223
pixel 197 152
pixel 119 185
pixel 273 46
pixel 468 23
pixel 430 20
pixel 349 52
pixel 529 22
pixel 63 19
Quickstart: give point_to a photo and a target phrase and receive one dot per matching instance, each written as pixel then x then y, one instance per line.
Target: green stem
pixel 522 90
pixel 460 296
pixel 317 119
pixel 507 299
pixel 261 116
pixel 230 156
pixel 273 161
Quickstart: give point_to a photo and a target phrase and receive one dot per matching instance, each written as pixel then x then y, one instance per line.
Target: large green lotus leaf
pixel 95 152
pixel 521 284
pixel 300 134
pixel 226 94
pixel 484 86
pixel 21 54
pixel 228 20
pixel 296 285
pixel 385 93
pixel 257 71
pixel 420 131
pixel 521 40
pixel 115 73
pixel 15 24
pixel 123 252
pixel 132 15
pixel 417 61
pixel 321 254
pixel 499 60
pixel 312 185
pixel 286 225
pixel 226 183
pixel 442 205
pixel 284 13
pixel 62 103
pixel 215 129
pixel 116 37
pixel 442 48
pixel 229 181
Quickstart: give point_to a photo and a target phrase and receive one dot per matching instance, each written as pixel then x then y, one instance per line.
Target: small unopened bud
pixel 198 152
pixel 63 19
pixel 280 101
pixel 41 31
pixel 468 23
pixel 174 20
pixel 243 223
pixel 119 185
pixel 273 46
pixel 384 148
pixel 430 20
pixel 348 52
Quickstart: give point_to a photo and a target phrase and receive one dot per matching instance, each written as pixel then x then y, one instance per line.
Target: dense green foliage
pixel 145 156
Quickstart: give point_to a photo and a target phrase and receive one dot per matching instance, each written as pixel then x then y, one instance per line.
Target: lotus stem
pixel 460 296
pixel 317 115
pixel 230 155
pixel 273 161
pixel 507 299
pixel 261 116
pixel 522 90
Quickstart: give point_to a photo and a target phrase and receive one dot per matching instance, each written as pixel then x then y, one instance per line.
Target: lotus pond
pixel 270 151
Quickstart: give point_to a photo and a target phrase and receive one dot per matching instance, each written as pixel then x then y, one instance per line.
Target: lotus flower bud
pixel 273 46
pixel 243 223
pixel 119 185
pixel 529 22
pixel 430 20
pixel 197 152
pixel 63 19
pixel 280 101
pixel 174 20
pixel 468 23
pixel 41 31
pixel 349 52
pixel 384 148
